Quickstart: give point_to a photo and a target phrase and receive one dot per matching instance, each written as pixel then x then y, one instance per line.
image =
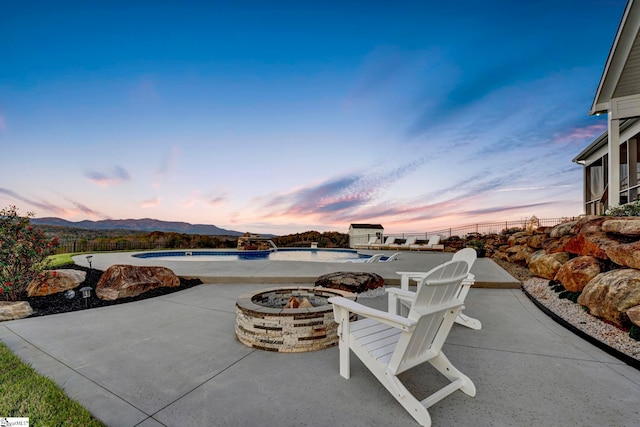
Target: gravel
pixel 575 315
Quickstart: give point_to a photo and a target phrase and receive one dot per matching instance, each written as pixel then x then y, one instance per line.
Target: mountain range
pixel 145 224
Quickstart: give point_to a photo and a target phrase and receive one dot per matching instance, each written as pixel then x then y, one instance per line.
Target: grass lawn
pixel 26 393
pixel 60 259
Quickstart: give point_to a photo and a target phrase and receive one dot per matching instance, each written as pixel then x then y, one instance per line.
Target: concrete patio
pixel 174 361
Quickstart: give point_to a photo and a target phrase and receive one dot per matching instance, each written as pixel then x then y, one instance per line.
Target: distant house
pixel 359 234
pixel 612 162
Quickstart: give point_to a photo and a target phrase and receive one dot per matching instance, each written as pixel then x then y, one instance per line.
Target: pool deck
pixel 488 273
pixel 174 360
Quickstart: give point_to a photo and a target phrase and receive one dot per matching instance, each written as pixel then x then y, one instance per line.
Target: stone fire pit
pixel 288 319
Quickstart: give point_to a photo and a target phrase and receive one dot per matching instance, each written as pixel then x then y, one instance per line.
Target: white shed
pixel 359 234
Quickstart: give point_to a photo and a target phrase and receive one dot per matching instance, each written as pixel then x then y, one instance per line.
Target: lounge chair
pixel 432 245
pixel 400 299
pixel 389 344
pixel 388 241
pixel 369 260
pixel 411 240
pixel 372 241
pixel 390 258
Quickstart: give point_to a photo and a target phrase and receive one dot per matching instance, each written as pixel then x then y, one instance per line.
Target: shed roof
pixel 375 226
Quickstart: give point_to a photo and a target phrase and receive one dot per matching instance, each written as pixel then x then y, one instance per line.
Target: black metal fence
pixel 463 231
pixel 480 228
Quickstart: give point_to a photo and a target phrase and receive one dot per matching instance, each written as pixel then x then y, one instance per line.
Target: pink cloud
pixel 149 203
pixel 577 136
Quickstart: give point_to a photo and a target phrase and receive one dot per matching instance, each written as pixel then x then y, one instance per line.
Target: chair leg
pixel 469 322
pixel 444 366
pixel 412 405
pixel 343 344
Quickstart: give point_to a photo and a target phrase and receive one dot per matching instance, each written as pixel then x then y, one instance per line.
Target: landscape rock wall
pixel 595 256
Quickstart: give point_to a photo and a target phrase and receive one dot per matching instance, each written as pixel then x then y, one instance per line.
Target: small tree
pixel 23 253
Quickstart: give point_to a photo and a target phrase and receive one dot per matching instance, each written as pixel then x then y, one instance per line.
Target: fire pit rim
pixel 245 301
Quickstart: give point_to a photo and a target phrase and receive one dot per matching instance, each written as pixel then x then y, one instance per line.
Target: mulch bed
pixel 58 303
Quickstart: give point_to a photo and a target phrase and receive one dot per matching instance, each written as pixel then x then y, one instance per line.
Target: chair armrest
pixel 408 275
pixel 399 300
pixel 381 316
pixel 401 293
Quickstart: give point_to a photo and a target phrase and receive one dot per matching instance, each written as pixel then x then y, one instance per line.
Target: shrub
pixel 23 253
pixel 628 209
pixel 634 332
pixel 476 243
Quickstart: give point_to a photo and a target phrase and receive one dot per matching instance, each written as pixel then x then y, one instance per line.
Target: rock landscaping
pixel 72 300
pixel 595 260
pixel 354 282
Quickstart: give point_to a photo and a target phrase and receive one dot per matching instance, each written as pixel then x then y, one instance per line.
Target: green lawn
pixel 60 259
pixel 26 393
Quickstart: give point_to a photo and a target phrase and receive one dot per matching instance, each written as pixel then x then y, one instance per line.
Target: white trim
pixel 614 160
pixel 622 44
pixel 625 107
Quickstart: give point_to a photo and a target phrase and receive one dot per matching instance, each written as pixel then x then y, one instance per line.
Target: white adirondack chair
pixel 400 299
pixel 389 344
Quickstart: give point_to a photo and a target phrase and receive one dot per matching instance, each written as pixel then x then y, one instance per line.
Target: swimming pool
pixel 282 254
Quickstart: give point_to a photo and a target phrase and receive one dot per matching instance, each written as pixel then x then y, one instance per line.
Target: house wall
pixel 360 236
pixel 595 177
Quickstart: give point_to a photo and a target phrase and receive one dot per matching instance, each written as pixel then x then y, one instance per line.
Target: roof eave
pixel 598 106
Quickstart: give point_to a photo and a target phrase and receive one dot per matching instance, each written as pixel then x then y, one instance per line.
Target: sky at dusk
pixel 282 117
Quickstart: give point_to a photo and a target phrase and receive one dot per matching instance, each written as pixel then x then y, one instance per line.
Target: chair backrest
pixel 434 240
pixel 373 240
pixel 469 255
pixel 410 240
pixel 433 309
pixel 389 240
pixel 374 258
pixel 391 258
pixel 466 254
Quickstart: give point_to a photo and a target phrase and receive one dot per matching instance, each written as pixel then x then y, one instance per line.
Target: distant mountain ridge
pixel 145 224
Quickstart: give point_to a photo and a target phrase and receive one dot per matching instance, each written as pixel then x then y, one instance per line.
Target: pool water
pixel 282 254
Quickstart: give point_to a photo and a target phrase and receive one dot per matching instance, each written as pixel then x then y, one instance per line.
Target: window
pixel 596 179
pixel 596 176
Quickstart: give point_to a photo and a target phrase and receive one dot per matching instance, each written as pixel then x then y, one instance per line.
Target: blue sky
pixel 282 117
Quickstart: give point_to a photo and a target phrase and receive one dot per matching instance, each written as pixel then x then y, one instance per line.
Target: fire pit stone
pixel 263 322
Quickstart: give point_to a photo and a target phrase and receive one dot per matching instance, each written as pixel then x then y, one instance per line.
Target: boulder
pixel 626 227
pixel 515 249
pixel 519 238
pixel 356 282
pixel 537 240
pixel 55 281
pixel 625 254
pixel 122 281
pixel 14 310
pixel 590 224
pixel 634 315
pixel 552 245
pixel 609 295
pixel 546 265
pixel 576 273
pixel 593 244
pixel 566 228
pixel 524 254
